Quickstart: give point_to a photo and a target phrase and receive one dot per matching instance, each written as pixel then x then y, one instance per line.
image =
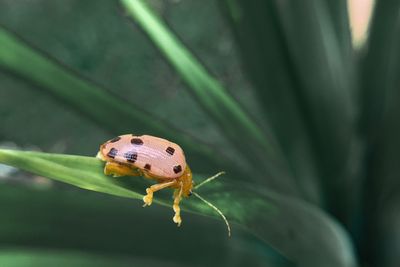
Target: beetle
pixel 153 158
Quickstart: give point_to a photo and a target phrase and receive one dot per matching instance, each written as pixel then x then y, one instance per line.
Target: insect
pixel 153 158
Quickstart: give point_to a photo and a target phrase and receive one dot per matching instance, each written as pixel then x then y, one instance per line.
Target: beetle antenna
pixel 209 180
pixel 215 208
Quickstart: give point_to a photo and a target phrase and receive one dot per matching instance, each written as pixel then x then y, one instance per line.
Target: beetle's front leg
pixel 177 199
pixel 148 199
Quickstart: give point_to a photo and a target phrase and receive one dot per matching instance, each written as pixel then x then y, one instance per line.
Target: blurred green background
pixel 301 116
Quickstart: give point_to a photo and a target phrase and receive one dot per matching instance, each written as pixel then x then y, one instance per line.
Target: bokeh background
pixel 318 78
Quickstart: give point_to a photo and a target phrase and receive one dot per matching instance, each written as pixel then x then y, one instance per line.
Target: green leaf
pixel 116 228
pixel 267 63
pixel 234 122
pixel 290 225
pixel 325 89
pixel 379 67
pixel 339 15
pixel 39 258
pixel 380 99
pixel 384 232
pixel 108 110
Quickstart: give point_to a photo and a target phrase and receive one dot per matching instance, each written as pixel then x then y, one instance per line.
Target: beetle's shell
pixel 158 157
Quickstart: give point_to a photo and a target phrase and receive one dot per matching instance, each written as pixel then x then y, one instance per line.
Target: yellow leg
pixel 177 198
pixel 116 169
pixel 148 199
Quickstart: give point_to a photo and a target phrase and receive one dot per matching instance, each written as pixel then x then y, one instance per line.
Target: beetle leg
pixel 116 169
pixel 148 199
pixel 177 198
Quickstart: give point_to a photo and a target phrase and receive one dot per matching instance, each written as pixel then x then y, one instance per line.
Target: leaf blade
pixel 28 213
pixel 325 69
pixel 380 98
pixel 251 208
pixel 267 64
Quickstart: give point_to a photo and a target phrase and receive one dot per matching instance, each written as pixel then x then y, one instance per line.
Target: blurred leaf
pixel 379 67
pixel 117 229
pixel 265 55
pixel 111 112
pixel 289 225
pixel 386 152
pixel 380 80
pixel 38 258
pixel 339 15
pixel 386 236
pixel 236 125
pixel 325 85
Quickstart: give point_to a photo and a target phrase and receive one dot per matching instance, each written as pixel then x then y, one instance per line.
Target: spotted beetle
pixel 153 158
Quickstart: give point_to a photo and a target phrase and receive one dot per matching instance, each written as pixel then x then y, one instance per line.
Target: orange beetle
pixel 154 158
pixel 151 157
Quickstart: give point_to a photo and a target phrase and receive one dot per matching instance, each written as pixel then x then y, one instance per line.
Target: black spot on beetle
pixel 147 167
pixel 170 150
pixel 177 169
pixel 137 141
pixel 131 156
pixel 115 139
pixel 112 153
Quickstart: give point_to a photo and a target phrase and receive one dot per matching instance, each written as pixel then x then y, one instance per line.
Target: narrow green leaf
pixel 235 124
pixel 44 258
pixel 385 234
pixel 108 110
pixel 282 222
pixel 380 99
pixel 339 15
pixel 83 172
pixel 326 90
pixel 266 61
pixel 379 67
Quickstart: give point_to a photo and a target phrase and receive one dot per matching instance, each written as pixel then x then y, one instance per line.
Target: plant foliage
pixel 310 154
